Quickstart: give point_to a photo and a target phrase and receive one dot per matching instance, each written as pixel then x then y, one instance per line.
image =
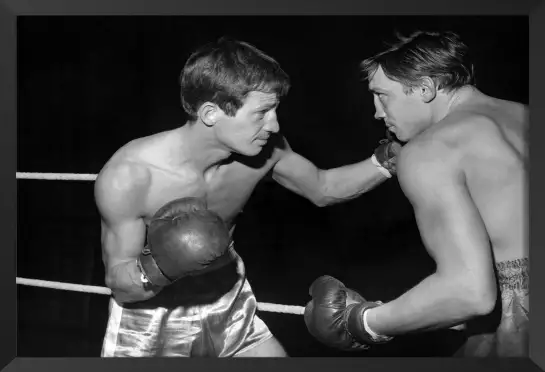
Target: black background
pixel 87 85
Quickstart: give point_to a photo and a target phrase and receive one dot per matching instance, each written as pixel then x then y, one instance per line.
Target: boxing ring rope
pixel 55 176
pixel 262 306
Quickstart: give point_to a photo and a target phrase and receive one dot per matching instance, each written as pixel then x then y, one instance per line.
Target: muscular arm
pixel 324 187
pixel 463 285
pixel 119 194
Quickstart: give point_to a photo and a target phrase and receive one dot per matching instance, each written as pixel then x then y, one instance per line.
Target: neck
pixel 200 146
pixel 445 103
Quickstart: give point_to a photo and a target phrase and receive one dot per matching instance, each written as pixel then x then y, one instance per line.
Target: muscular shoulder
pixel 129 168
pixel 437 157
pixel 121 188
pixel 458 135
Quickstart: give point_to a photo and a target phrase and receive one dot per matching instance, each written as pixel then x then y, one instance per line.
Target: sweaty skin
pixel 465 177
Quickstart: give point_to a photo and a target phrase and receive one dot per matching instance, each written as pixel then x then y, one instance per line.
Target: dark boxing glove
pixel 335 324
pixel 385 155
pixel 184 238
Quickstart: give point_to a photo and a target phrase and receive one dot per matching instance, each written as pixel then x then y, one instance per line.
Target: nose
pixel 379 112
pixel 272 125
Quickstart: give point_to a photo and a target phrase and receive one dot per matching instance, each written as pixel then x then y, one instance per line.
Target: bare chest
pixel 225 189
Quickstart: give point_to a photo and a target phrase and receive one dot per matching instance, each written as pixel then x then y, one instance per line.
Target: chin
pixel 252 151
pixel 403 137
pixel 397 135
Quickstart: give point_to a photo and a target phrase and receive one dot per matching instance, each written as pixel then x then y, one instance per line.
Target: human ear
pixel 427 89
pixel 209 113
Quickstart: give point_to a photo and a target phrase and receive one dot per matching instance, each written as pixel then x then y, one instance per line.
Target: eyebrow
pixel 267 106
pixel 376 90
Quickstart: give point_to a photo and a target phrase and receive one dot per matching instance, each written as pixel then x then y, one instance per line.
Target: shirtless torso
pixel 463 169
pixel 138 180
pixel 497 183
pixel 149 172
pixel 486 137
pixel 476 191
pixel 230 91
pixel 226 188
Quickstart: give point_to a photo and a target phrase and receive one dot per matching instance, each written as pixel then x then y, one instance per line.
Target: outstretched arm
pixel 454 234
pixel 325 187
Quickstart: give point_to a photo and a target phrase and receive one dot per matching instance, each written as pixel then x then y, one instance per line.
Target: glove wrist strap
pixel 385 155
pixel 150 270
pixel 360 330
pixel 374 336
pixel 381 169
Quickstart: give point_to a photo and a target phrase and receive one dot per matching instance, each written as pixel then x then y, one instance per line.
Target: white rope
pixel 56 176
pixel 263 306
pixel 63 286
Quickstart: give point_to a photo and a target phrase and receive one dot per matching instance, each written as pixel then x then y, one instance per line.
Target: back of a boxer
pixel 488 134
pixel 463 170
pixel 493 149
pixel 496 173
pixel 481 144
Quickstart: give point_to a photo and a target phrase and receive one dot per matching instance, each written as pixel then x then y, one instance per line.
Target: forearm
pixel 125 282
pixel 350 181
pixel 436 302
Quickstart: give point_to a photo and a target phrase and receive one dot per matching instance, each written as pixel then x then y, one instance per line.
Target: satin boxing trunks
pixel 208 315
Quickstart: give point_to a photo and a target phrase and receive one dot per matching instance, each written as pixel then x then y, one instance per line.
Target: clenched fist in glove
pixel 331 321
pixel 385 155
pixel 184 238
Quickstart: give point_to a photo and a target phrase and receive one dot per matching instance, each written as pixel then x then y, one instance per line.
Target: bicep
pixel 296 173
pixel 122 240
pixel 118 197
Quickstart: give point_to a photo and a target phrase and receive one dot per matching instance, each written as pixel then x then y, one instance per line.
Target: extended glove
pixel 385 155
pixel 184 238
pixel 332 322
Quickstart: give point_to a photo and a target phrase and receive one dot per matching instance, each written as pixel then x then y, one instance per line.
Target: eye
pixel 261 114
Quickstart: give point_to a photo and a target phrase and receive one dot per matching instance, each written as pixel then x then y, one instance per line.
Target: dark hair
pixel 224 72
pixel 442 56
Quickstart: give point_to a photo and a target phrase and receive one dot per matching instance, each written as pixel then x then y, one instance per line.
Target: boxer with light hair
pixel 463 169
pixel 169 201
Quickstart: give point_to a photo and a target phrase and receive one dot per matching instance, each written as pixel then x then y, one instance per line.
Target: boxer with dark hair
pixel 179 287
pixel 464 171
